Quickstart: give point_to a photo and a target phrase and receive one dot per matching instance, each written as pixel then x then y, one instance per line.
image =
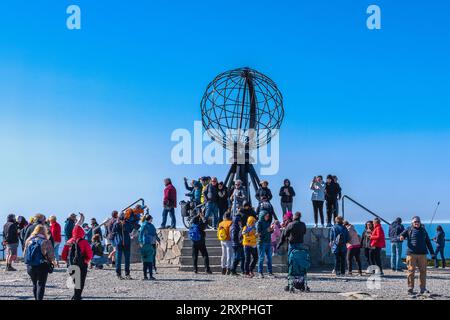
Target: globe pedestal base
pixel 244 172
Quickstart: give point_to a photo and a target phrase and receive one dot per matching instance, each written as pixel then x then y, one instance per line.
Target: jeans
pixel 286 206
pixel 375 258
pixel 318 210
pixel 126 250
pixel 222 211
pixel 173 222
pixel 264 249
pixel 83 275
pixel 227 254
pixel 147 268
pixel 200 246
pixel 396 255
pixel 56 250
pixel 354 252
pixel 251 254
pixel 38 275
pixel 212 210
pixel 238 257
pixel 367 255
pixel 439 250
pixel 339 262
pixel 331 210
pixel 98 261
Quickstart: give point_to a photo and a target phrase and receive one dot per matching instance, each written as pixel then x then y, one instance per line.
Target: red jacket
pixel 55 230
pixel 78 235
pixel 377 239
pixel 170 196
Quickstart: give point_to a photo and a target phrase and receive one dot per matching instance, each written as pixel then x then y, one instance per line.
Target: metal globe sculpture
pixel 242 107
pixel 242 110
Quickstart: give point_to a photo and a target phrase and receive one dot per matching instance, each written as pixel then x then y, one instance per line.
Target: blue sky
pixel 86 116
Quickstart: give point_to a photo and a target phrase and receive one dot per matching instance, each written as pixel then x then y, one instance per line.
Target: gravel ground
pixel 175 285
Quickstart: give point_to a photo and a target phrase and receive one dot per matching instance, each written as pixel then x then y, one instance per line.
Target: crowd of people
pixel 250 235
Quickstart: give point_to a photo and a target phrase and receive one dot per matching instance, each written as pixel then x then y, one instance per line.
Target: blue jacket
pixel 147 233
pixel 68 228
pixel 417 241
pixel 195 192
pixel 236 231
pixel 440 239
pixel 122 233
pixel 339 229
pixel 261 228
pixel 395 230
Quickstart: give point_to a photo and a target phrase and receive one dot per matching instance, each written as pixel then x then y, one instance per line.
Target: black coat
pixel 294 233
pixel 11 232
pixel 287 198
pixel 263 192
pixel 332 191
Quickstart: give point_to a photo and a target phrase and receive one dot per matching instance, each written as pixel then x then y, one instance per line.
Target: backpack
pixel 75 256
pixel 222 234
pixel 194 232
pixel 34 256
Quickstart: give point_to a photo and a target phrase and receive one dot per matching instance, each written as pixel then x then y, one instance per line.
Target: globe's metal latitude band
pixel 239 101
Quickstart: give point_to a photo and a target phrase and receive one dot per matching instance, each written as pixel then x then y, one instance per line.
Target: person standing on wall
pixel 287 195
pixel 318 198
pixel 169 204
pixel 332 191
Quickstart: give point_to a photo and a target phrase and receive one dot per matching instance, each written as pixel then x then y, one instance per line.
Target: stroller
pixel 299 261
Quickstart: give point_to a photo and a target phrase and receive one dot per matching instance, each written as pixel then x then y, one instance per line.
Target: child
pixel 276 235
pixel 223 234
pixel 250 250
pixel 98 259
pixel 147 241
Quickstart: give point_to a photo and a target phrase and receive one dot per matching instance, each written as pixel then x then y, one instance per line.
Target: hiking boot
pixel 411 291
pixel 224 271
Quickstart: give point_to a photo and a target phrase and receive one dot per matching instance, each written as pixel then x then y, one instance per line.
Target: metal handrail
pixel 136 202
pixel 362 207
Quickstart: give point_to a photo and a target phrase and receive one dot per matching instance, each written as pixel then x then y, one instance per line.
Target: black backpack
pixel 75 256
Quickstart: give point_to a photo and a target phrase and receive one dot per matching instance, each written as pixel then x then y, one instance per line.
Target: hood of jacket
pixel 251 221
pixel 78 233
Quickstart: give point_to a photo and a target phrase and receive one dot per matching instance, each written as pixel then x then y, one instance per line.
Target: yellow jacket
pixel 250 235
pixel 226 224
